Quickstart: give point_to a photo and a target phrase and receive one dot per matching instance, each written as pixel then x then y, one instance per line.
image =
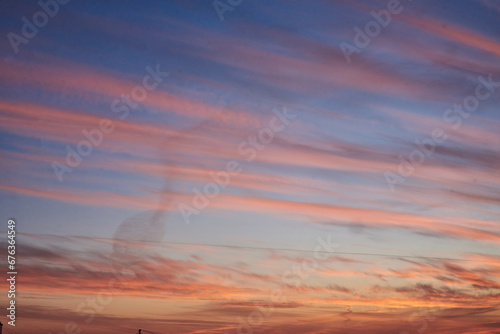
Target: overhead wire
pixel 257 248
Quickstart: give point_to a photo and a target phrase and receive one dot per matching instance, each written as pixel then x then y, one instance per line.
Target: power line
pixel 255 248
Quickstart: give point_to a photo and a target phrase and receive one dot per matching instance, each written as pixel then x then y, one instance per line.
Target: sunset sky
pixel 252 166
